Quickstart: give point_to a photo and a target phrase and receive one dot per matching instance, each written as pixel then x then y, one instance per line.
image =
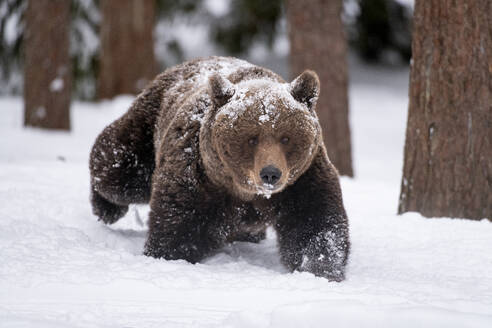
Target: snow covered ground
pixel 59 267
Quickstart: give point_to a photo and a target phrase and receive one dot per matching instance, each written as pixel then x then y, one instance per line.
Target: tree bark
pixel 47 69
pixel 127 61
pixel 317 42
pixel 448 151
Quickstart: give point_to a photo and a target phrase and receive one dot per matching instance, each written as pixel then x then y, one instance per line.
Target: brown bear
pixel 222 149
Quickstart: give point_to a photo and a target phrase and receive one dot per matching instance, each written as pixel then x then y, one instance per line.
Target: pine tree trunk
pixel 47 69
pixel 127 60
pixel 448 150
pixel 317 42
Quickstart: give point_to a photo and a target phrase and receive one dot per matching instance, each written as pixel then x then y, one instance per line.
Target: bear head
pixel 261 135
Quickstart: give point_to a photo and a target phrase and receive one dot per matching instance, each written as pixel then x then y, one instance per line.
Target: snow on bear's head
pixel 263 133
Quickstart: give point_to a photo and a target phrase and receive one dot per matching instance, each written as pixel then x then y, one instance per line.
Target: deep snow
pixel 61 268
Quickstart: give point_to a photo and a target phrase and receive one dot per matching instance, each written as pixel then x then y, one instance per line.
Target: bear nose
pixel 270 174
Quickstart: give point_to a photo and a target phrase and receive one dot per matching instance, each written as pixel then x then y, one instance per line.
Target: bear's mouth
pixel 266 189
pixel 267 193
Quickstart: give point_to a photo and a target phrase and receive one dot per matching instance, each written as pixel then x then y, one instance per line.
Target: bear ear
pixel 221 90
pixel 305 88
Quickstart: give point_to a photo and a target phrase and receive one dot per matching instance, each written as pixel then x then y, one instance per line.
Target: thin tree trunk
pixel 448 150
pixel 127 60
pixel 47 69
pixel 317 42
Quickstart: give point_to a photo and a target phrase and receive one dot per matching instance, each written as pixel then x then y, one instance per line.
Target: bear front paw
pixel 325 255
pixel 175 251
pixel 322 266
pixel 106 211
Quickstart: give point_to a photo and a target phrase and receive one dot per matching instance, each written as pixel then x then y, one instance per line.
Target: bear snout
pixel 270 174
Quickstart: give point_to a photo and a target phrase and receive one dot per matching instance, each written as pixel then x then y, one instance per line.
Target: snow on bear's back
pixel 201 69
pixel 191 77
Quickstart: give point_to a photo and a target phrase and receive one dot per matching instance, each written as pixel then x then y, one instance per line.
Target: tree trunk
pixel 317 42
pixel 127 60
pixel 448 150
pixel 47 69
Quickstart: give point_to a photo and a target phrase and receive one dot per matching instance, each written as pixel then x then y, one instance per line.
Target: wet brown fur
pixel 195 166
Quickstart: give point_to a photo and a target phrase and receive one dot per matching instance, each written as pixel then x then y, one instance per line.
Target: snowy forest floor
pixel 60 267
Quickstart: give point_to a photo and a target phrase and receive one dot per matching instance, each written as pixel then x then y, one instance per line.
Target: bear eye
pixel 253 141
pixel 285 140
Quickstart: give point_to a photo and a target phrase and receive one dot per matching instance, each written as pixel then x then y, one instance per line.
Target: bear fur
pixel 222 149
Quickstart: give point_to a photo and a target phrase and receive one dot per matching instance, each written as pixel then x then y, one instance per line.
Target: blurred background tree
pixel 318 42
pixel 127 61
pixel 47 73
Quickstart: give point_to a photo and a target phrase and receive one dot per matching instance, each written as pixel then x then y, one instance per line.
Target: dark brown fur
pixel 182 147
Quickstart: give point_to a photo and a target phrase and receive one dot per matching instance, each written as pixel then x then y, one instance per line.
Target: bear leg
pixel 183 224
pixel 122 159
pixel 189 240
pixel 121 166
pixel 313 228
pixel 105 210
